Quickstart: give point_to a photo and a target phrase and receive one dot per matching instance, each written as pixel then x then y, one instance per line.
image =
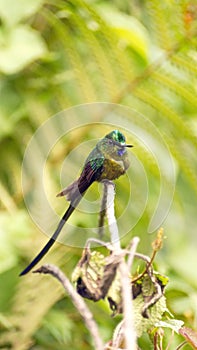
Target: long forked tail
pixel 52 240
pixel 74 193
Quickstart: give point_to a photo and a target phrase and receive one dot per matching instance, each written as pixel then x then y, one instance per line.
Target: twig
pixel 113 228
pixel 132 253
pixel 89 241
pixel 181 345
pixel 124 269
pixel 102 211
pixel 143 257
pixel 77 301
pixel 129 330
pixel 157 245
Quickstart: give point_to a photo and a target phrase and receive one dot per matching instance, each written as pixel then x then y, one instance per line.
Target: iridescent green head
pixel 116 136
pixel 114 145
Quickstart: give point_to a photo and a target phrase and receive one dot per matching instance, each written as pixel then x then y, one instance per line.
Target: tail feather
pixel 52 240
pixel 71 192
pixel 74 193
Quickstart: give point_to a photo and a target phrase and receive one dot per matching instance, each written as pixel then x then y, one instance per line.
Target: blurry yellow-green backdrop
pixel 58 54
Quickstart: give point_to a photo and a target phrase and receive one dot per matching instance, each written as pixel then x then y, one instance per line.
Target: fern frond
pixel 178 87
pixel 84 86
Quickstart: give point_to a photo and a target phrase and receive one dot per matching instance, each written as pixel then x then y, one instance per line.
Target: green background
pixel 58 54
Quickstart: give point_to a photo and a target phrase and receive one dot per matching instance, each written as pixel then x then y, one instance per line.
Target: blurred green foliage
pixel 54 55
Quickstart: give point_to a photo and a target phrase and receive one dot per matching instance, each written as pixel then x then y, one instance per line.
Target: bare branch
pixel 77 301
pixel 128 322
pixel 129 330
pixel 132 252
pixel 107 245
pixel 113 228
pixel 102 211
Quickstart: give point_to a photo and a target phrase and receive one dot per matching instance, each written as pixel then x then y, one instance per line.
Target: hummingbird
pixel 107 161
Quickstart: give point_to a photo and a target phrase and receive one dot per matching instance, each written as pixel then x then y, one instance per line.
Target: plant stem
pixel 128 322
pixel 77 301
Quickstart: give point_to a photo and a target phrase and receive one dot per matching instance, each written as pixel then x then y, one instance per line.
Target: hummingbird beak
pixel 120 145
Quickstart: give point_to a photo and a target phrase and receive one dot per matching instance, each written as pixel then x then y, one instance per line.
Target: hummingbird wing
pixel 74 192
pixel 90 173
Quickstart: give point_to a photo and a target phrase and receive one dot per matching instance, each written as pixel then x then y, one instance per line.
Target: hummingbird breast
pixel 112 169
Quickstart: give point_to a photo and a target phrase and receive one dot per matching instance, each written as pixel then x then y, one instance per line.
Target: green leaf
pixel 130 32
pixel 7 256
pixel 155 313
pixel 13 12
pixel 59 325
pixel 175 325
pixel 4 322
pixel 20 46
pixel 12 233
